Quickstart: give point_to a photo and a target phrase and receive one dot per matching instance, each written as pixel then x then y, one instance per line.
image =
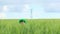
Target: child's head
pixel 22 21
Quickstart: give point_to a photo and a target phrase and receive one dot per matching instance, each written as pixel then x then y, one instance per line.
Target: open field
pixel 35 26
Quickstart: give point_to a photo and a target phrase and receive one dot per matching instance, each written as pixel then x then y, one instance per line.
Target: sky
pixel 41 9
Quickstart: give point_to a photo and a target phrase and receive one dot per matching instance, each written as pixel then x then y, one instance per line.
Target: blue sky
pixel 41 9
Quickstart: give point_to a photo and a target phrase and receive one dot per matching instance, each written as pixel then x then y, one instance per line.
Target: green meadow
pixel 33 26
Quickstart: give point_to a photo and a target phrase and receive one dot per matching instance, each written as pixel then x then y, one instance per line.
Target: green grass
pixel 35 26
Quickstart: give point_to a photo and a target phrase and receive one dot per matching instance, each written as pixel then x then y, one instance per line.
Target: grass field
pixel 35 26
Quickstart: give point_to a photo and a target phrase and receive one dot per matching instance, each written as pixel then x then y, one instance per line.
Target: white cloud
pixel 26 7
pixel 54 5
pixel 2 15
pixel 5 8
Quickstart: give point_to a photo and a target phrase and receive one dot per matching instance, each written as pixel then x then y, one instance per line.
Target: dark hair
pixel 21 21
